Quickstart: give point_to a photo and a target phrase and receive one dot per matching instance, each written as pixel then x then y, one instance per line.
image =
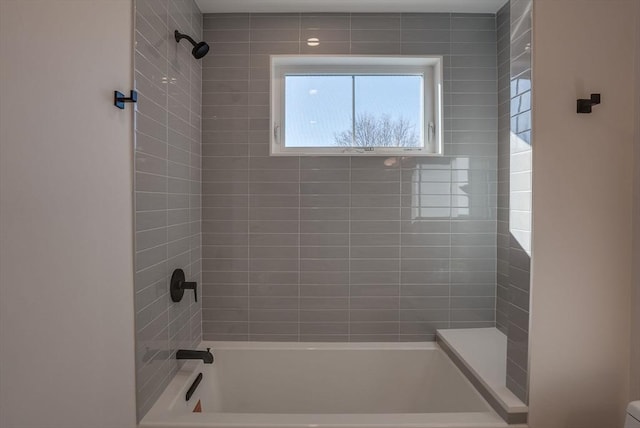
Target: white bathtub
pixel 381 385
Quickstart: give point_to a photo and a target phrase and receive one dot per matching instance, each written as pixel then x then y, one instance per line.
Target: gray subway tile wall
pixel 167 189
pixel 347 248
pixel 519 198
pixel 504 155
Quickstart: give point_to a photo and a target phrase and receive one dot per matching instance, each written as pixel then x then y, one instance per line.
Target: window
pixel 356 105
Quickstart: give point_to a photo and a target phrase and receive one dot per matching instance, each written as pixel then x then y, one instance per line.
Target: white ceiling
pixel 371 6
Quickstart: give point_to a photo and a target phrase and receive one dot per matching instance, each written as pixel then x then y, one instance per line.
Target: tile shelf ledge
pixel 481 354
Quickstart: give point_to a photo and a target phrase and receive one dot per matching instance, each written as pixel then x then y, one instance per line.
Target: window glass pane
pixel 389 112
pixel 317 108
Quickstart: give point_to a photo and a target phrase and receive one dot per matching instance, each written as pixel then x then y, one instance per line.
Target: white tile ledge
pixel 483 352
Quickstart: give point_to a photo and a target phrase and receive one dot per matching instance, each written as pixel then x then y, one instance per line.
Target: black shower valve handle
pixel 178 285
pixel 191 286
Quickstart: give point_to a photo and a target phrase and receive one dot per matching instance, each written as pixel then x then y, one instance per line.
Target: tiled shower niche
pixel 347 248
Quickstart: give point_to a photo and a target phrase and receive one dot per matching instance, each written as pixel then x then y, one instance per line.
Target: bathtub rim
pixel 311 346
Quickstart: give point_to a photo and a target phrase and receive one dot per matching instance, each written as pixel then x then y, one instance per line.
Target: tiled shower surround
pixel 504 153
pixel 347 248
pixel 514 188
pixel 519 199
pixel 167 189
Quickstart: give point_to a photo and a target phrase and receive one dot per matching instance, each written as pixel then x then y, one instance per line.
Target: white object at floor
pixel 633 415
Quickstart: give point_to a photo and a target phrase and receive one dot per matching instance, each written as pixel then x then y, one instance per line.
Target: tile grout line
pixel 299 199
pixel 166 261
pixel 400 169
pixel 350 199
pixel 249 156
pixel 450 191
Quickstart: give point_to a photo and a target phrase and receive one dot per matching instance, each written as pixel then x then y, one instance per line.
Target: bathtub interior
pixel 316 380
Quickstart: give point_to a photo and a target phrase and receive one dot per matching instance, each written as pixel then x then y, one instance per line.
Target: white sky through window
pixel 319 108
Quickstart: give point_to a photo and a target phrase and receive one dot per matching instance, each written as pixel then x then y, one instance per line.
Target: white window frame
pixel 429 67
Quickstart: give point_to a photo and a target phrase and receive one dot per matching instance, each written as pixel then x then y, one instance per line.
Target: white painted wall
pixel 66 274
pixel 582 205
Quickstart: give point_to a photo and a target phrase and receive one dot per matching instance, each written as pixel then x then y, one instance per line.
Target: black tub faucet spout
pixel 188 354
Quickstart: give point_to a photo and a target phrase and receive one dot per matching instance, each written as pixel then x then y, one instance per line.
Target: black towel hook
pixel 584 105
pixel 119 99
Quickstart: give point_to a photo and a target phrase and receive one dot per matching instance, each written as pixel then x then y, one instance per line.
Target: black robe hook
pixel 584 105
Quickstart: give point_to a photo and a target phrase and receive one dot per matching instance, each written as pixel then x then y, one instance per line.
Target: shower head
pixel 199 49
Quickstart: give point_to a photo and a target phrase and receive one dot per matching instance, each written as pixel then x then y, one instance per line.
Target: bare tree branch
pixel 383 131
